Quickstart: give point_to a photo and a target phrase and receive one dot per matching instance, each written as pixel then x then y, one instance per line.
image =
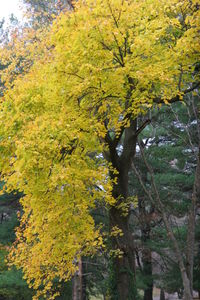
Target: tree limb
pixel 159 100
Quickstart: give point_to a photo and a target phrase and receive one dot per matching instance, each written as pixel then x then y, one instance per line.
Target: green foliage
pixel 7 233
pixel 12 286
pixel 170 150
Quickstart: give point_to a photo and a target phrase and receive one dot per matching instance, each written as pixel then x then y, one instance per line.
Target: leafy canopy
pixel 100 66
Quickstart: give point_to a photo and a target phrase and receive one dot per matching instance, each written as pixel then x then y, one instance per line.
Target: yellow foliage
pixel 107 60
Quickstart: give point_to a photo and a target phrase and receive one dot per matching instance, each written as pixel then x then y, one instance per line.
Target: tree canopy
pixel 101 66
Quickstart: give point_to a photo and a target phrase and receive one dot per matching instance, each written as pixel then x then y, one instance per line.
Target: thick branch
pixel 139 130
pixel 159 100
pixel 111 155
pixel 129 144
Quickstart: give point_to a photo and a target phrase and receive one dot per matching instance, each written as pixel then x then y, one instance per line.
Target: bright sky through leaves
pixel 10 6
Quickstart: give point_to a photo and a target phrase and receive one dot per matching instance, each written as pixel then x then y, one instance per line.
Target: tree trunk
pixel 84 281
pixel 191 242
pixel 147 271
pixel 77 290
pixel 191 224
pixel 146 257
pixel 162 294
pixel 148 293
pixel 145 225
pixel 124 287
pixel 123 265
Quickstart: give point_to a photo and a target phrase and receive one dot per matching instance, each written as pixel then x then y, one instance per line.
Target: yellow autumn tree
pixel 104 64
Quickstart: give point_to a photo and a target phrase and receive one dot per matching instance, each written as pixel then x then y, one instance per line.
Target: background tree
pixel 42 13
pixel 171 148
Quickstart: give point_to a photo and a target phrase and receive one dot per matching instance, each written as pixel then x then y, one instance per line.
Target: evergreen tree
pixel 171 146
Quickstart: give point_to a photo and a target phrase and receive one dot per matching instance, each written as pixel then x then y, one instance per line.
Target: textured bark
pixel 84 281
pixel 145 226
pixel 124 266
pixel 147 271
pixel 77 287
pixel 162 294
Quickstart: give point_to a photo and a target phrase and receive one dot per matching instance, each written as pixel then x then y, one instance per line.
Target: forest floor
pixel 156 295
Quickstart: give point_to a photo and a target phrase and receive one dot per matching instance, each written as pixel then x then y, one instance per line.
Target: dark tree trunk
pixel 147 261
pixel 147 270
pixel 145 225
pixel 123 266
pixel 124 287
pixel 162 294
pixel 192 224
pixel 77 285
pixel 84 282
pixel 148 293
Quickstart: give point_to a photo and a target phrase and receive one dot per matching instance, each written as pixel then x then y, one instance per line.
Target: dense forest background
pixel 163 206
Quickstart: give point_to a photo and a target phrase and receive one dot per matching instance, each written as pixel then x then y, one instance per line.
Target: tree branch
pixel 159 100
pixel 139 130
